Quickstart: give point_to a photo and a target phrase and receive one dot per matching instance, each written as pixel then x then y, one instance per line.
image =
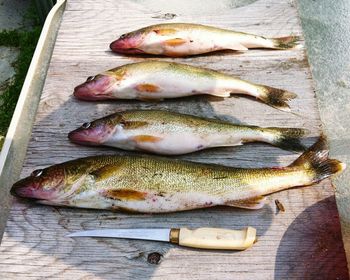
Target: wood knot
pixel 154 258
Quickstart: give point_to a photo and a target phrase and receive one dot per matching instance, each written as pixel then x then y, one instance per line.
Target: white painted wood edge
pixel 218 238
pixel 27 83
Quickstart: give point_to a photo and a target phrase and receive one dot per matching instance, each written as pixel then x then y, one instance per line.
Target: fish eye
pixel 86 125
pixel 90 78
pixel 123 36
pixel 37 173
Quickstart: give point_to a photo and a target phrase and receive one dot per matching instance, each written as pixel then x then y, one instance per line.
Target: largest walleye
pixel 156 80
pixel 155 185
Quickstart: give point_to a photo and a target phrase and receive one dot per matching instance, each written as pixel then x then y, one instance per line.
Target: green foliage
pixel 25 41
pixel 2 138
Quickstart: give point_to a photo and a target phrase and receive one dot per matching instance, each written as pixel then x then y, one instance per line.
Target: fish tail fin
pixel 316 164
pixel 286 138
pixel 284 43
pixel 275 97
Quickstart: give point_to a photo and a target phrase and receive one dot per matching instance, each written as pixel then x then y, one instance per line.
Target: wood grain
pixel 304 242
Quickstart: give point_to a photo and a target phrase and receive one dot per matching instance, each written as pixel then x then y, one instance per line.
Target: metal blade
pixel 156 234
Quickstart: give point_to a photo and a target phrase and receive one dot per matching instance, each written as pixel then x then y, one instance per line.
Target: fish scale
pixel 156 185
pixel 157 80
pixel 171 133
pixel 183 39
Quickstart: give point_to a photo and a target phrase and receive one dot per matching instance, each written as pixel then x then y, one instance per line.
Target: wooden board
pixel 302 243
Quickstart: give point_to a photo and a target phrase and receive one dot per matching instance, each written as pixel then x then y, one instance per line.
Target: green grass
pixel 25 41
pixel 2 138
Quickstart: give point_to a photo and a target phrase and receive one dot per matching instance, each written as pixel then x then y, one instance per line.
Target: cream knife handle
pixel 214 238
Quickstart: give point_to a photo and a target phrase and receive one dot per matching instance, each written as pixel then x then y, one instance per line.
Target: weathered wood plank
pixel 302 243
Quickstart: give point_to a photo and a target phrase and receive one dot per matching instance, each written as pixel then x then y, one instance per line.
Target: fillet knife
pixel 204 238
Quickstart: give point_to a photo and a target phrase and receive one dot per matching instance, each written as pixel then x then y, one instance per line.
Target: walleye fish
pixel 184 39
pixel 156 80
pixel 157 185
pixel 170 133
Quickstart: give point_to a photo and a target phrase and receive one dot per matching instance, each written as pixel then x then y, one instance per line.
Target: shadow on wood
pixel 34 242
pixel 318 252
pixel 117 258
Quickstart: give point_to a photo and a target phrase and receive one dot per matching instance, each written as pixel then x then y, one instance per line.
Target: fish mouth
pixel 32 191
pixel 99 88
pixel 83 94
pixel 93 136
pixel 19 191
pixel 78 137
pixel 122 47
pixel 128 51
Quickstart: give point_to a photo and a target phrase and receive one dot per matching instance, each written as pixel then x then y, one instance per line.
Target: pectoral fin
pixel 124 194
pixel 146 138
pixel 175 42
pixel 147 88
pixel 251 203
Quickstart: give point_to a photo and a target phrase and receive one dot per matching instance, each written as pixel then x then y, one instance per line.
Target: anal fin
pixel 236 47
pixel 224 93
pixel 251 203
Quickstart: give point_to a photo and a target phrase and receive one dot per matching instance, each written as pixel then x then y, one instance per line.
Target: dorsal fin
pixel 105 172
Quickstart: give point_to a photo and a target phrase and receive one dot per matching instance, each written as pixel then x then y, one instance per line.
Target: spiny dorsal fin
pixel 133 124
pixel 105 172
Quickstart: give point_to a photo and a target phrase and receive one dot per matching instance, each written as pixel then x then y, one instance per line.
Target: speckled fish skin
pixel 157 185
pixel 170 133
pixel 184 39
pixel 157 80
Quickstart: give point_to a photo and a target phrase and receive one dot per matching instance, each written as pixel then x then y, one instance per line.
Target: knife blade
pixel 204 238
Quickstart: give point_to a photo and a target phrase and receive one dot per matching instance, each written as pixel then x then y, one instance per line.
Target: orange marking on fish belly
pixel 146 138
pixel 147 88
pixel 164 32
pixel 125 194
pixel 175 42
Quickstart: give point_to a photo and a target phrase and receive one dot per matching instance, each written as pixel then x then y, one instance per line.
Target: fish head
pixel 99 87
pixel 129 43
pixel 96 132
pixel 58 184
pixel 42 184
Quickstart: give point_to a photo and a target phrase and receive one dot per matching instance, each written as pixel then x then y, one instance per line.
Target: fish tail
pixel 316 164
pixel 275 97
pixel 286 138
pixel 284 43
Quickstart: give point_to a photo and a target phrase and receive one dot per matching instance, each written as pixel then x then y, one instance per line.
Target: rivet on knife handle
pixel 214 238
